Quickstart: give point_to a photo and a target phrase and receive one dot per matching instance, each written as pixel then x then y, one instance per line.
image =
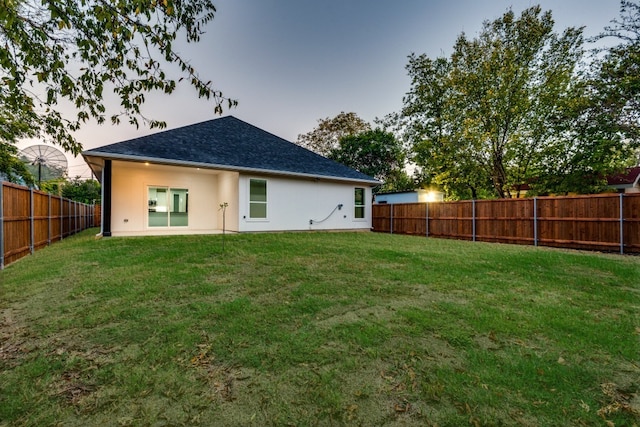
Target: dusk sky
pixel 292 62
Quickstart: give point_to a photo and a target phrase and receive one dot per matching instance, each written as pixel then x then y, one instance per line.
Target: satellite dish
pixel 44 162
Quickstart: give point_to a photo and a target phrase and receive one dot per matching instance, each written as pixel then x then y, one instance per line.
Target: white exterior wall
pixel 293 202
pixel 129 200
pixel 228 193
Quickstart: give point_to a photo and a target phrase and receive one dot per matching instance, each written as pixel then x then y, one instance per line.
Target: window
pixel 168 207
pixel 359 203
pixel 257 199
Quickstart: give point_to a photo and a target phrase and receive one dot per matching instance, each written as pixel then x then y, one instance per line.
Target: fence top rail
pixel 22 187
pixel 12 185
pixel 35 191
pixel 403 203
pixel 588 196
pixel 521 199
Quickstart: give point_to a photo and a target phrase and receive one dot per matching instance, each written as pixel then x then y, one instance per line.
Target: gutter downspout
pixel 106 199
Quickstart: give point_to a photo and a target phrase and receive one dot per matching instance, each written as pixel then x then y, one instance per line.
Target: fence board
pixel 410 218
pixel 631 229
pixel 595 222
pixel 452 220
pixel 41 220
pixel 66 215
pixel 31 220
pixel 381 220
pixel 56 219
pixel 16 223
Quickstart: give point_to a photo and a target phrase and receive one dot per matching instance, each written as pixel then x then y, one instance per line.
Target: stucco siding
pixel 292 204
pixel 130 185
pixel 228 193
pixel 299 204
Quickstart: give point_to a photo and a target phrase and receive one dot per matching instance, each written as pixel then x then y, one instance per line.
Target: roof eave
pixel 169 162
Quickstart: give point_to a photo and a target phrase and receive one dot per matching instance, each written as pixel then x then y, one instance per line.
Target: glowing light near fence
pixel 434 196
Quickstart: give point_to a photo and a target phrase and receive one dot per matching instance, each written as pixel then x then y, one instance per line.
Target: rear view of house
pixel 175 182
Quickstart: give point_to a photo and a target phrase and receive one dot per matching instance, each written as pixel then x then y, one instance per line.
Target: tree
pixel 427 123
pixel 11 168
pixel 604 134
pixel 398 180
pixel 376 153
pixel 327 134
pixel 82 190
pixel 487 119
pixel 55 52
pixel 54 186
pixel 615 81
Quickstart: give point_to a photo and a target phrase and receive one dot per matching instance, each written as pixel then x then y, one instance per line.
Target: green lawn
pixel 318 329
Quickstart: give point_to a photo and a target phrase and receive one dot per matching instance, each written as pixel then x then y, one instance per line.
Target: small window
pixel 257 199
pixel 359 202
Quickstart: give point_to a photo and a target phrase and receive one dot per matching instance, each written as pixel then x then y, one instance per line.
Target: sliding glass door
pixel 168 207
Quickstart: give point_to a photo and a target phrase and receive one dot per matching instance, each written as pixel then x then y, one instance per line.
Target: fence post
pixel 427 217
pixel 61 218
pixel 391 219
pixel 535 221
pixel 621 224
pixel 473 219
pixel 32 223
pixel 49 220
pixel 1 227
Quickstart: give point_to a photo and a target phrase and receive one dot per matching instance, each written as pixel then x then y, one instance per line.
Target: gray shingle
pixel 229 142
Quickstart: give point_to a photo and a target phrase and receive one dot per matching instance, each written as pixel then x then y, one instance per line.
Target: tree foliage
pixel 604 134
pixel 326 136
pixel 398 180
pixel 508 108
pixel 53 186
pixel 615 82
pixel 71 52
pixel 12 169
pixel 376 153
pixel 430 127
pixel 82 190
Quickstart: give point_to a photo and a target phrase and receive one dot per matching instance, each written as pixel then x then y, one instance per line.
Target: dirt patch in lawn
pixel 419 296
pixel 14 338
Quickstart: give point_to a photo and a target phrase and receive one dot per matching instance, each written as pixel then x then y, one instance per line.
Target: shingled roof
pixel 230 144
pixel 628 178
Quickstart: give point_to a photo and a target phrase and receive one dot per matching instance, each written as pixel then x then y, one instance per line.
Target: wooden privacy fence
pixel 606 222
pixel 31 219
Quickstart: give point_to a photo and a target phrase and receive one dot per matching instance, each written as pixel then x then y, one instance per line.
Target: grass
pixel 318 329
